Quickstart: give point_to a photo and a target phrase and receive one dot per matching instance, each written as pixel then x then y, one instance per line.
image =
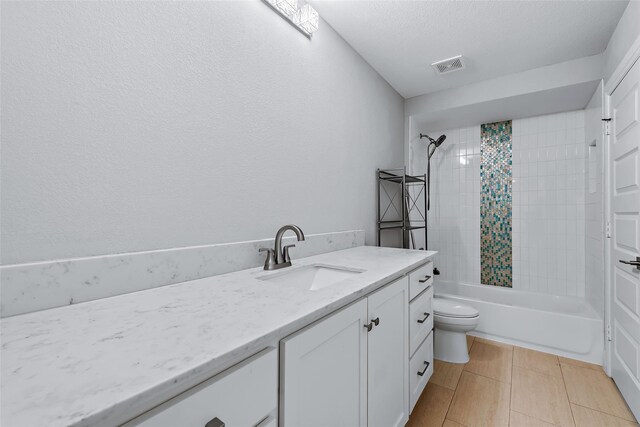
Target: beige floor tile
pixel 521 420
pixel 480 401
pixel 489 360
pixel 540 396
pixel 580 363
pixel 449 423
pixel 537 361
pixel 446 374
pixel 432 407
pixel 593 389
pixel 470 339
pixel 585 417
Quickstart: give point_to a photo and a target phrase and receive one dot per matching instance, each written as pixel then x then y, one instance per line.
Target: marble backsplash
pixel 38 286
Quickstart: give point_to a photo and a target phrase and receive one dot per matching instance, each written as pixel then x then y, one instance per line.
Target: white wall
pixel 543 79
pixel 594 210
pixel 133 126
pixel 626 33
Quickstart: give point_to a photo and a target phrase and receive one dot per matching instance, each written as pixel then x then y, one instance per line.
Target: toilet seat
pixel 448 322
pixel 446 308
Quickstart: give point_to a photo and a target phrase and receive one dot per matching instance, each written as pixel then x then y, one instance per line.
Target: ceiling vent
pixel 449 65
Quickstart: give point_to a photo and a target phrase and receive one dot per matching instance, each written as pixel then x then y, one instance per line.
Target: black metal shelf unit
pixel 405 213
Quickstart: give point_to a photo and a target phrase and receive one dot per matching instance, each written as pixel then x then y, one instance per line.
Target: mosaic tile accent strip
pixel 495 204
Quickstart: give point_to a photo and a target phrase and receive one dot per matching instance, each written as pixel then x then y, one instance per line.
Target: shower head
pixel 437 142
pixel 440 140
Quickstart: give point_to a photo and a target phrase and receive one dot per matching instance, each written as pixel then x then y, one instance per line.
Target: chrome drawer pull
pixel 426 316
pixel 216 422
pixel 425 279
pixel 425 369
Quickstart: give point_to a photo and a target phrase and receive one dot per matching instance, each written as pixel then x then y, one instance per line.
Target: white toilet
pixel 452 321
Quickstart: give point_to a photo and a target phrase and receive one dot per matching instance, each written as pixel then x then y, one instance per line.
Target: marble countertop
pixel 106 361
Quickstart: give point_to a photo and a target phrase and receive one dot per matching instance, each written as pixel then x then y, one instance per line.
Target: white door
pixel 624 170
pixel 388 342
pixel 323 372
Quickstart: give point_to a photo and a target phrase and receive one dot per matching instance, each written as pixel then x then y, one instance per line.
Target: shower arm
pixel 430 153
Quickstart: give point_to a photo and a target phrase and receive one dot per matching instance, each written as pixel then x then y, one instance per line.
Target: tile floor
pixel 504 385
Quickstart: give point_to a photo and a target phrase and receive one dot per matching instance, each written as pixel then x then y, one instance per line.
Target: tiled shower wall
pixel 594 250
pixel 496 204
pixel 594 212
pixel 548 203
pixel 454 217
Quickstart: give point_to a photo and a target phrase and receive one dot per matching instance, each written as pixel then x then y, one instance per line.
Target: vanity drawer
pixel 244 395
pixel 420 319
pixel 420 370
pixel 420 279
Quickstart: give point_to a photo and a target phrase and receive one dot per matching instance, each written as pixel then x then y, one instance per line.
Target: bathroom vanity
pixel 343 338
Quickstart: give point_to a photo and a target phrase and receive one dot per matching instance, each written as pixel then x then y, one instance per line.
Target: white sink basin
pixel 311 277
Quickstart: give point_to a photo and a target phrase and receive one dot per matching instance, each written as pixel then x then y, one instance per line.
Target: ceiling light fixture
pixel 304 19
pixel 286 7
pixel 307 18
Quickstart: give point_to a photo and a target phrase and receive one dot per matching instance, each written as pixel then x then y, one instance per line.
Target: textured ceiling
pixel 401 39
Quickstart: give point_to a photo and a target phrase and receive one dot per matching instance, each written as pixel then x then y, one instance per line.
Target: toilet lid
pixel 450 308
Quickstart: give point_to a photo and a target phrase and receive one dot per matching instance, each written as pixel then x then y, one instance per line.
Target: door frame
pixel 625 65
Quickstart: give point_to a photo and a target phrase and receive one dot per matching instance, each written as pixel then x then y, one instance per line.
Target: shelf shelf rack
pixel 395 213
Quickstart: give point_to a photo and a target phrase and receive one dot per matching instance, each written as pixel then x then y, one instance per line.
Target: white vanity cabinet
pixel 350 368
pixel 245 395
pixel 388 358
pixel 420 330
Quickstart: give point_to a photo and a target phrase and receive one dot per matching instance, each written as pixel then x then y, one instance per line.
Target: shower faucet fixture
pixel 435 143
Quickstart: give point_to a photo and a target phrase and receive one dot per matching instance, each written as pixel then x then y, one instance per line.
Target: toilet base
pixel 450 346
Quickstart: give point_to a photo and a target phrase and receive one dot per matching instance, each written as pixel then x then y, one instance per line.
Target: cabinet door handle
pixel 426 316
pixel 369 326
pixel 421 373
pixel 425 279
pixel 376 321
pixel 216 422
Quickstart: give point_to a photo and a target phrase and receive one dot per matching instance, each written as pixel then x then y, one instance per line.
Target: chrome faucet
pixel 279 256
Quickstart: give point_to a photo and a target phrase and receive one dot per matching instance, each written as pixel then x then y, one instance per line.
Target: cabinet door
pixel 244 395
pixel 323 372
pixel 388 358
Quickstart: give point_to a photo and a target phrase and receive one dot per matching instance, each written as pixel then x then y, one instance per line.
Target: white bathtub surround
pixel 594 206
pixel 454 217
pixel 37 286
pixel 114 358
pixel 566 326
pixel 549 204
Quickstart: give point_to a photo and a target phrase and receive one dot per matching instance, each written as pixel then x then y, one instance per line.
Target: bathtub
pixel 564 326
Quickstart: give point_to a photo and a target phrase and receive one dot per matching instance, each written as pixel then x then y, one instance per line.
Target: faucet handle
pixel 270 262
pixel 285 252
